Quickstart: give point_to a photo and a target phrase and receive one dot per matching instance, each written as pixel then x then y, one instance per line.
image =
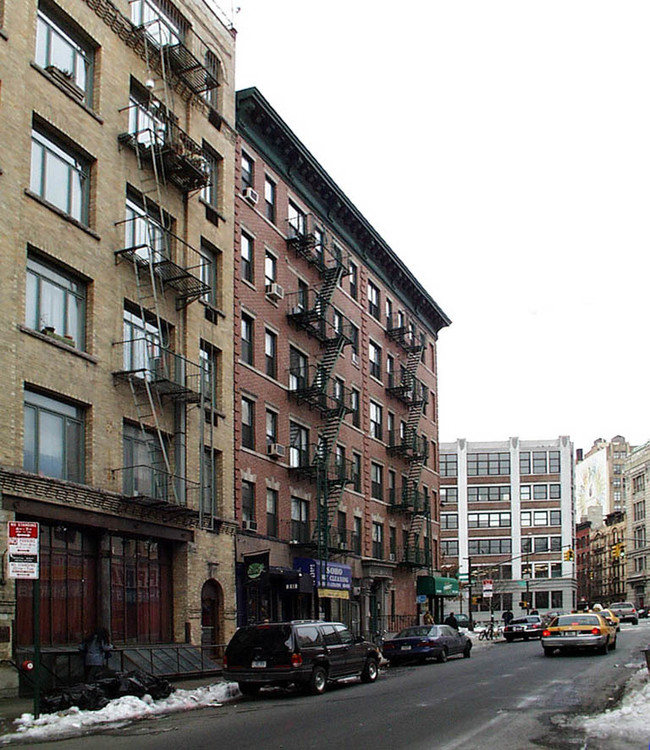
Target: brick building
pixel 335 396
pixel 637 529
pixel 607 564
pixel 116 325
pixel 507 516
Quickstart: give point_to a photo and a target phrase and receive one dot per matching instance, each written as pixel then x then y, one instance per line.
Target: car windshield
pixel 416 632
pixel 267 638
pixel 565 621
pixel 622 605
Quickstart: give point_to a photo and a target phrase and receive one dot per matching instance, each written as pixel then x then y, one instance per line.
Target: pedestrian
pixel 507 616
pixel 451 621
pixel 427 619
pixel 97 649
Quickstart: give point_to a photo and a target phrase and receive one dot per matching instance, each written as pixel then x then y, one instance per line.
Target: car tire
pixel 467 651
pixel 635 622
pixel 548 651
pixel 526 637
pixel 443 656
pixel 317 680
pixel 370 670
pixel 602 650
pixel 393 663
pixel 509 638
pixel 612 645
pixel 249 689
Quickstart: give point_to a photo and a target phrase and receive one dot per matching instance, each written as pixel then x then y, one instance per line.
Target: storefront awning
pixel 437 586
pixel 292 580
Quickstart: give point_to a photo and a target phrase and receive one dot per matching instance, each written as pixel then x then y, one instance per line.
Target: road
pixel 506 695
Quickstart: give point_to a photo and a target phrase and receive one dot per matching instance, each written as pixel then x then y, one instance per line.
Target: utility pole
pixel 469 581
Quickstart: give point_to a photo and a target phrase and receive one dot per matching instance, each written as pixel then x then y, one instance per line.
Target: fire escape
pixel 162 263
pixel 408 444
pixel 311 310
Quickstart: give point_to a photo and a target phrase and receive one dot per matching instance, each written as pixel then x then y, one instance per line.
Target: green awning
pixel 437 586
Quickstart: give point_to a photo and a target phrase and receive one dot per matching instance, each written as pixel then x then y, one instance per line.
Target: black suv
pixel 306 652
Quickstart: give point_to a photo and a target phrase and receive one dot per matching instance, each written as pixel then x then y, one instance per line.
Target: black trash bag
pixel 86 697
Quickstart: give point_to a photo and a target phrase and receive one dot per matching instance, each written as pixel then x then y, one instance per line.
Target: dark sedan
pixel 530 626
pixel 422 642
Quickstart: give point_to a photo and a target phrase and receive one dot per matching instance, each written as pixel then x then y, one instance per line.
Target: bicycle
pixel 488 633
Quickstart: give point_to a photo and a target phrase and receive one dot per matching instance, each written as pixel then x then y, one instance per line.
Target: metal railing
pixel 153 486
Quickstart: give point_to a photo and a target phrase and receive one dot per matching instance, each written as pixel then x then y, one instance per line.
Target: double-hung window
pixel 55 299
pixel 156 18
pixel 374 357
pixel 247 339
pixel 143 458
pixel 297 370
pixel 373 300
pixel 210 193
pixel 270 270
pixel 299 519
pixel 269 199
pixel 247 250
pixel 143 344
pixel 59 47
pixel 299 445
pixel 209 272
pixel 54 437
pixel 297 221
pixel 247 423
pixel 376 419
pixel 271 353
pixel 247 171
pixel 147 118
pixel 60 175
pixel 145 234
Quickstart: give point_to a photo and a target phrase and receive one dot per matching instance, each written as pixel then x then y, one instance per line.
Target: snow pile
pixel 630 721
pixel 73 722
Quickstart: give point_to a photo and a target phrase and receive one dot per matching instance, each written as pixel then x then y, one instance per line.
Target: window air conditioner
pixel 276 450
pixel 249 525
pixel 251 196
pixel 355 358
pixel 391 557
pixel 274 292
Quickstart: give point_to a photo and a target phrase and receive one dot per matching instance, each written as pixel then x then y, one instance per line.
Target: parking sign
pixel 23 549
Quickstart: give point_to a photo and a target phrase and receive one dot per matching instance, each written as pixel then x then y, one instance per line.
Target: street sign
pixel 488 588
pixel 464 577
pixel 421 598
pixel 23 550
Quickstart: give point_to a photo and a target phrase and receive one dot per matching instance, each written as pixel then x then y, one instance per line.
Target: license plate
pixel 406 648
pixel 259 665
pixel 518 627
pixel 569 633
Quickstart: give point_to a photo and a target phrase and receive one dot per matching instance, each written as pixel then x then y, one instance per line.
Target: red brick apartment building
pixel 336 431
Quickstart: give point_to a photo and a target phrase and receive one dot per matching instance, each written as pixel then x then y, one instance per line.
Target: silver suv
pixel 625 611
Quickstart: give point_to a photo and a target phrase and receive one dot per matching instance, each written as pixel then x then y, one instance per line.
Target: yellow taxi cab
pixel 580 630
pixel 609 614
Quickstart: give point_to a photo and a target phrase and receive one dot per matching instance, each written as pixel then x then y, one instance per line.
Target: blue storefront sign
pixel 337 576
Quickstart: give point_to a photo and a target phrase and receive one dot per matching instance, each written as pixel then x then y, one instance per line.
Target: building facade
pixel 335 397
pixel 599 479
pixel 637 531
pixel 607 570
pixel 116 326
pixel 507 517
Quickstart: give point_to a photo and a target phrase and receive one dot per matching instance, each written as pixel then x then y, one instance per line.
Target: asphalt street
pixel 506 695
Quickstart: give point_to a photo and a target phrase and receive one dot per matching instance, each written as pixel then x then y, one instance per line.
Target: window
pixel 638 483
pixel 299 519
pixel 540 518
pixel 539 462
pixel 54 438
pixel 554 462
pixel 299 445
pixel 392 486
pixel 247 171
pixel 210 359
pixel 555 518
pixel 60 175
pixel 524 463
pixel 210 192
pixel 490 493
pixel 247 339
pixel 356 472
pixel 378 540
pixel 271 353
pixel 484 464
pixel 270 270
pixel 376 481
pixel 554 491
pixel 526 518
pixel 58 46
pixel 143 344
pixel 160 25
pixel 449 547
pixel 540 544
pixel 247 501
pixel 212 471
pixel 487 520
pixel 556 600
pixel 448 465
pixel 389 313
pixel 271 427
pixel 356 535
pixel 540 492
pixel 269 199
pixel 354 341
pixel 354 281
pixel 541 599
pixel 390 429
pixel 209 272
pixel 374 356
pixel 490 546
pixel 392 542
pixel 144 230
pixel 319 246
pixel 355 402
pixel 449 520
pixel 247 250
pixel 212 78
pixel 448 495
pixel 390 370
pixel 556 570
pixel 373 300
pixel 297 221
pixel 247 423
pixel 143 456
pixel 148 120
pixel 298 369
pixel 271 512
pixel 55 299
pixel 375 420
pixel 555 543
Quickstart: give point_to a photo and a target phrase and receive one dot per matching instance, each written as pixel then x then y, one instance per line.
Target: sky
pixel 501 149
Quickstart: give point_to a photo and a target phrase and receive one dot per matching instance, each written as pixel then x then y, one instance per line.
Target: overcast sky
pixel 502 149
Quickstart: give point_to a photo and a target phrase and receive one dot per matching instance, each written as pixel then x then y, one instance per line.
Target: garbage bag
pixel 86 697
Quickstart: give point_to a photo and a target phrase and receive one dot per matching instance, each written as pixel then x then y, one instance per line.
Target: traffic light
pixel 568 555
pixel 616 550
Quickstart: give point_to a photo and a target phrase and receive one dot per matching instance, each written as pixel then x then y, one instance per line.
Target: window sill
pixel 57 343
pixel 62 214
pixel 62 88
pixel 212 313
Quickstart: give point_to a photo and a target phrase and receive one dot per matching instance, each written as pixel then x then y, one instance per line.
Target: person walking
pixel 427 619
pixel 97 649
pixel 507 616
pixel 451 621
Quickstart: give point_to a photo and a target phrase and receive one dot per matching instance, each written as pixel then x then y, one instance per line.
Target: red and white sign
pixel 23 549
pixel 488 588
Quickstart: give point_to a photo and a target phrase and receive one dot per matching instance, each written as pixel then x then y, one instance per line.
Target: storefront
pixel 432 592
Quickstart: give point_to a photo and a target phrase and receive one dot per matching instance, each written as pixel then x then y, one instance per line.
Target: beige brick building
pixel 116 331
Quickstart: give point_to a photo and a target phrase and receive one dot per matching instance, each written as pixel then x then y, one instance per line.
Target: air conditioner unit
pixel 277 450
pixel 343 545
pixel 355 358
pixel 391 556
pixel 356 591
pixel 249 525
pixel 274 292
pixel 251 196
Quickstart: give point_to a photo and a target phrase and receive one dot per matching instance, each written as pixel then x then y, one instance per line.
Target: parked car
pixel 422 642
pixel 529 626
pixel 462 620
pixel 625 611
pixel 643 612
pixel 579 631
pixel 304 652
pixel 551 615
pixel 609 614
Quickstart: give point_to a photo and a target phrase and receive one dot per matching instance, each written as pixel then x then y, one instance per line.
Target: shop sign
pixel 333 594
pixel 337 576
